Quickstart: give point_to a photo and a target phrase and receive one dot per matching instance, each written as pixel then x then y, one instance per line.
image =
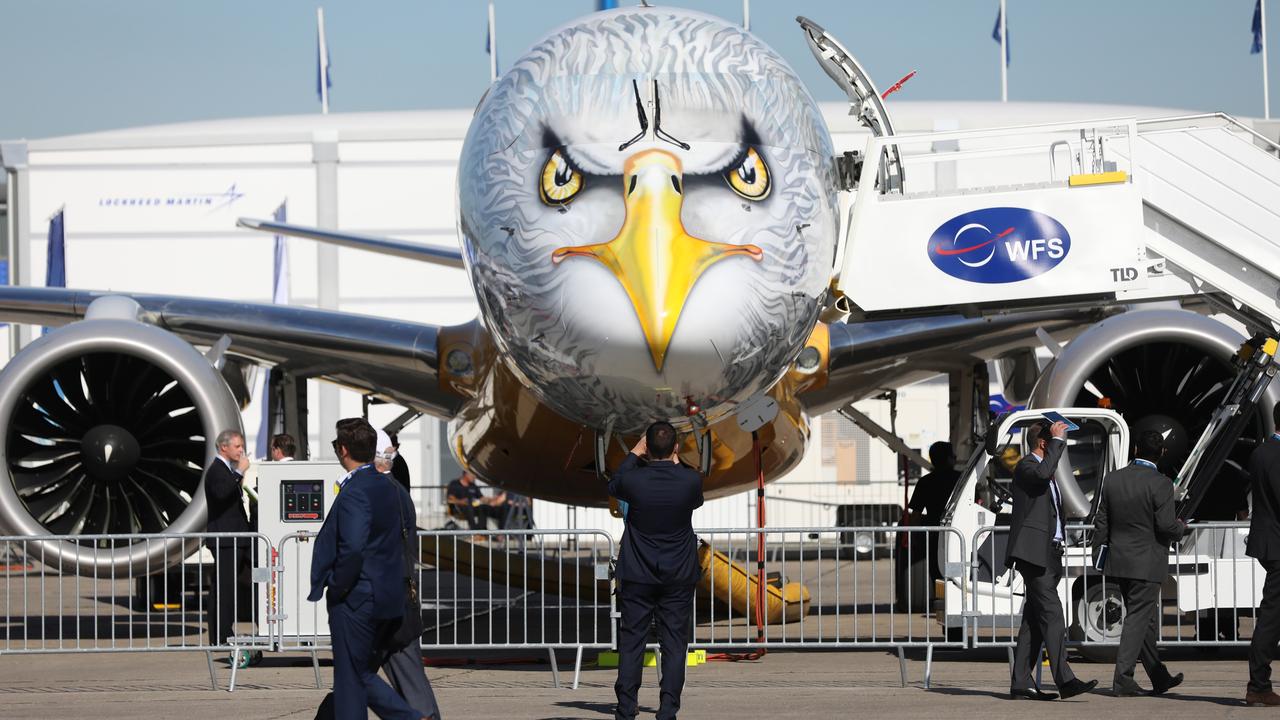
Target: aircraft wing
pixel 867 357
pixel 395 359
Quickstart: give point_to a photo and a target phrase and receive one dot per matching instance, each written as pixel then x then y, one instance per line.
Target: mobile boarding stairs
pixel 1100 212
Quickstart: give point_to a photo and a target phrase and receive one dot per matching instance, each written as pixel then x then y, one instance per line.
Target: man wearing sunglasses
pixel 358 566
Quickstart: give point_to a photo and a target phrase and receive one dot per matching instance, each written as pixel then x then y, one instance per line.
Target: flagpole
pixel 323 61
pixel 1004 52
pixel 493 44
pixel 746 15
pixel 1266 89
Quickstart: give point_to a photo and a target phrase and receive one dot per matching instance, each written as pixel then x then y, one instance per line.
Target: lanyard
pixel 337 486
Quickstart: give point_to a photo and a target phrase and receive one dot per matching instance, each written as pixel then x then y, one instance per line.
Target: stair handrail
pixel 1229 119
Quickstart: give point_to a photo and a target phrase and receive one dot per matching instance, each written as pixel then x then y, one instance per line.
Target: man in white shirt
pixel 283 448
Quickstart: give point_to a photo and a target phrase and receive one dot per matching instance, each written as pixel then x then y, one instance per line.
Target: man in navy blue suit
pixel 657 565
pixel 358 565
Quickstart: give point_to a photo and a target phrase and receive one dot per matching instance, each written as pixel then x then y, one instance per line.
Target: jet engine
pixel 107 425
pixel 1162 370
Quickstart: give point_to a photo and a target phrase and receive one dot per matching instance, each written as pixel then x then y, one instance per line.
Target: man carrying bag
pixel 401 652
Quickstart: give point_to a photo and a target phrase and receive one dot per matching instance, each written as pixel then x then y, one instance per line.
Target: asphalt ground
pixel 142 686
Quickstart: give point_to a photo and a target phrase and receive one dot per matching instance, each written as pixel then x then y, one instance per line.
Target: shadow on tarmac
pixel 600 708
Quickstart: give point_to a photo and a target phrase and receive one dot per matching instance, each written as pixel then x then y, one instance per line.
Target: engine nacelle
pixel 1163 370
pixel 106 426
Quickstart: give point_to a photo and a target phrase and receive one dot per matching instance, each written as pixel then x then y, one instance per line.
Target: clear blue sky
pixel 81 65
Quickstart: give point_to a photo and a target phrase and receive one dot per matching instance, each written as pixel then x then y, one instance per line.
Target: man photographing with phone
pixel 1036 539
pixel 657 564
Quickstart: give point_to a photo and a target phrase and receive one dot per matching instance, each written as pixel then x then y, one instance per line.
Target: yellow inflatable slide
pixel 734 585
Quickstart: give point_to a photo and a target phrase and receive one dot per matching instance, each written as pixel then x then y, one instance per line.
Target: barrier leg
pixel 235 664
pixel 213 677
pixel 555 669
pixel 928 666
pixel 315 665
pixel 577 667
pixel 902 665
pixel 1010 650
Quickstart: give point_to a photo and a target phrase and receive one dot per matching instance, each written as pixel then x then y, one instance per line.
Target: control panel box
pixel 301 501
pixel 294 498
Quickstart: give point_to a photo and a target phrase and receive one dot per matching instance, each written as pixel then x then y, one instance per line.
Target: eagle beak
pixel 656 261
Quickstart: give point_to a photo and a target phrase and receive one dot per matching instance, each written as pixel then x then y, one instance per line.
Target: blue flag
pixel 55 269
pixel 995 35
pixel 1257 29
pixel 56 256
pixel 606 4
pixel 488 42
pixel 324 78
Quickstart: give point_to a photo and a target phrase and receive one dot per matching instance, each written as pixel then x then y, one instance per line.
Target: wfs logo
pixel 999 245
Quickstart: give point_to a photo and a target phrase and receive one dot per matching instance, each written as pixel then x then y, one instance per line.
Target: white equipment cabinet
pixel 293 498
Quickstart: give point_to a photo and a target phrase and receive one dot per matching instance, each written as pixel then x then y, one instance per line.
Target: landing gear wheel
pixel 1098 618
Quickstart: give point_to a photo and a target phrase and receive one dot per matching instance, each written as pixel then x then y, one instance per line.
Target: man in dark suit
pixel 657 565
pixel 1136 523
pixel 399 466
pixel 1036 537
pixel 402 661
pixel 358 566
pixel 930 497
pixel 1264 544
pixel 224 495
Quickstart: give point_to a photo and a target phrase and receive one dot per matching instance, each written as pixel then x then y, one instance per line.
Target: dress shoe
pixel 1261 699
pixel 1170 682
pixel 1030 694
pixel 1077 687
pixel 1126 688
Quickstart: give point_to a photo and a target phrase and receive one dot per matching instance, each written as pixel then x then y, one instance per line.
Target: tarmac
pixel 143 686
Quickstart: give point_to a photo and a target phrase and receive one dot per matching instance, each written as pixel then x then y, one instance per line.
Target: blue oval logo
pixel 999 245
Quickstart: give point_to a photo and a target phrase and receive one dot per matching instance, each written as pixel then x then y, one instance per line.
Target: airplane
pixel 649 215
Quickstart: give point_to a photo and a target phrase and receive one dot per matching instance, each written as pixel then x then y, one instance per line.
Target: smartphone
pixel 1056 417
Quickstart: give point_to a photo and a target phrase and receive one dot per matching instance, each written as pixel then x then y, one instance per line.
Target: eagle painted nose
pixel 655 260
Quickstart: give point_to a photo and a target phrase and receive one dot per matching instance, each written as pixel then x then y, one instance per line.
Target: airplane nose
pixel 655 260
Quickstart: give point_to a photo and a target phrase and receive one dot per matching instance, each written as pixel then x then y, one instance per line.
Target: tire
pixel 1098 618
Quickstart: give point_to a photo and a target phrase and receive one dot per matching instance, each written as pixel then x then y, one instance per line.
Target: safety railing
pixel 516 589
pixel 824 587
pixel 1211 589
pixel 199 593
pixel 497 590
pixel 1216 119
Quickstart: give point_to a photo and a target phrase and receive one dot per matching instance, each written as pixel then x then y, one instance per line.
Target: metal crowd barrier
pixel 1208 598
pixel 504 590
pixel 540 590
pixel 161 605
pixel 825 588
